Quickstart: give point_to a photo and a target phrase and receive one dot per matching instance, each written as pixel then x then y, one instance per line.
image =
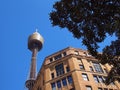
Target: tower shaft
pixel 33 64
pixel 32 77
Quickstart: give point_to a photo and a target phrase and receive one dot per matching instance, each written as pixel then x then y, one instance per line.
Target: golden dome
pixel 35 40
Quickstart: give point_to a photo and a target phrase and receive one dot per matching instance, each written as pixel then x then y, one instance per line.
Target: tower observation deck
pixel 35 43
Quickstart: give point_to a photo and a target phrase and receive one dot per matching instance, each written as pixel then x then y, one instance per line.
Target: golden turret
pixel 35 40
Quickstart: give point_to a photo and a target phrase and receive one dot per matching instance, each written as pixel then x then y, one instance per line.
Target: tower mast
pixel 35 43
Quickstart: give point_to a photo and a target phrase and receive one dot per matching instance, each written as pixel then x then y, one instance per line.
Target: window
pixel 58 84
pixel 64 54
pixel 53 86
pixel 59 69
pixel 105 89
pixel 81 67
pixel 100 79
pixel 91 69
pixel 72 89
pixel 79 60
pixel 85 77
pixel 58 57
pixel 112 83
pixel 70 81
pixel 97 67
pixel 52 75
pixel 96 79
pixel 64 82
pixel 88 88
pixel 88 54
pixel 99 88
pixel 76 53
pixel 67 69
pixel 85 53
pixel 51 59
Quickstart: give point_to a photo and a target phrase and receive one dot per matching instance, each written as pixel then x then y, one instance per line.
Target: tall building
pixel 35 43
pixel 73 69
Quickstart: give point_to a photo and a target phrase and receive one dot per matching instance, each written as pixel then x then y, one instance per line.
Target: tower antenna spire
pixel 36 29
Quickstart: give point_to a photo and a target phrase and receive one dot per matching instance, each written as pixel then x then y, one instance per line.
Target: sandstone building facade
pixel 73 69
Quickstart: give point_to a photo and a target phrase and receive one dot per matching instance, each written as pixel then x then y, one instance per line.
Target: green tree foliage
pixel 92 21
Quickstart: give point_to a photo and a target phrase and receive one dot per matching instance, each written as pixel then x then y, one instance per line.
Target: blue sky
pixel 19 19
